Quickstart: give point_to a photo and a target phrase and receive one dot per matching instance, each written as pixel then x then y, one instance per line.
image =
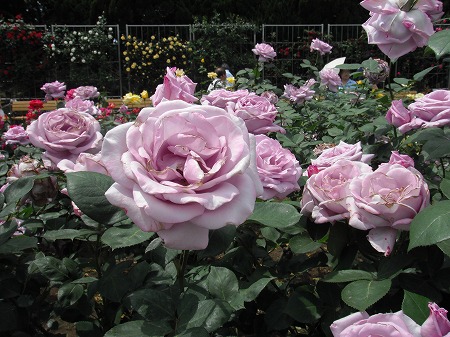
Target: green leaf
pixel 275 214
pixel 69 294
pixel 334 131
pixel 219 240
pixel 338 238
pixel 87 190
pixel 430 226
pixel 151 303
pixel 18 244
pixel 415 306
pixel 349 66
pixel 113 285
pixel 7 230
pixel 304 307
pixel 9 315
pixel 436 148
pixel 18 189
pixel 194 332
pixel 68 234
pixel 348 276
pixel 222 283
pixel 420 75
pixel 445 187
pixel 444 246
pixel 140 329
pixel 51 268
pixel 425 134
pixel 363 293
pixel 439 42
pixel 302 244
pixel 270 234
pixel 120 237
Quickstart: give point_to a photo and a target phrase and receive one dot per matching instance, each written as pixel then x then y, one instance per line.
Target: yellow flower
pixel 202 60
pixel 127 58
pixel 122 37
pixel 174 58
pixel 128 70
pixel 212 75
pixel 129 36
pixel 170 38
pixel 144 94
pixel 179 72
pixel 144 52
pixel 153 37
pixel 168 61
pixel 360 82
pixel 164 39
pixel 418 95
pixel 230 80
pixel 155 56
pixel 131 99
pixel 128 44
pixel 379 95
pixel 183 56
pixel 133 65
pixel 125 53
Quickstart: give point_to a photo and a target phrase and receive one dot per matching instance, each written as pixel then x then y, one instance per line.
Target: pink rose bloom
pixel 182 169
pixel 322 47
pixel 360 324
pixel 81 105
pixel 397 28
pixel 174 88
pixel 299 95
pixel 431 110
pixel 331 155
pixel 257 112
pixel 85 162
pixel 271 96
pixel 70 94
pixel 64 134
pixel 265 52
pixel 278 168
pixel 221 97
pixel 16 134
pixel 399 116
pixel 54 90
pixel 325 195
pixel 330 78
pixel 437 324
pixel 386 201
pixel 86 92
pixel 402 159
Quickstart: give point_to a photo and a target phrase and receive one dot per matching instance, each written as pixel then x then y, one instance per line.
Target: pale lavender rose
pixel 331 155
pixel 399 116
pixel 402 159
pixel 278 168
pixel 86 92
pixel 299 95
pixel 85 162
pixel 326 192
pixel 265 52
pixel 386 201
pixel 64 134
pixel 176 86
pixel 399 28
pixel 54 90
pixel 360 324
pixel 431 110
pixel 221 97
pixel 271 96
pixel 320 46
pixel 16 134
pixel 257 112
pixel 82 105
pixel 181 170
pixel 437 324
pixel 330 78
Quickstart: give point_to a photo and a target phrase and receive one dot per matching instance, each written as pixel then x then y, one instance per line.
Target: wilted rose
pixel 175 87
pixel 65 133
pixel 181 170
pixel 278 168
pixel 264 51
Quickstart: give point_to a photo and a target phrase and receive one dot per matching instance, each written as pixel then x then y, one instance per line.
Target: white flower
pixel 90 32
pixel 65 42
pixel 110 36
pixel 72 59
pixel 71 54
pixel 83 61
pixel 72 50
pixel 110 29
pixel 70 42
pixel 74 32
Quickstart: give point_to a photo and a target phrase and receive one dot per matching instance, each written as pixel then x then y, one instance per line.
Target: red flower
pixel 36 104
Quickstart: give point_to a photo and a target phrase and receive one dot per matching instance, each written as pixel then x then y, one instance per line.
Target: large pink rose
pixel 322 47
pixel 181 170
pixel 301 94
pixel 176 86
pixel 330 78
pixel 221 97
pixel 264 51
pixel 326 192
pixel 16 134
pixel 257 112
pixel 397 28
pixel 278 168
pixel 437 324
pixel 65 133
pixel 352 152
pixel 431 110
pixel 385 201
pixel 360 324
pixel 398 115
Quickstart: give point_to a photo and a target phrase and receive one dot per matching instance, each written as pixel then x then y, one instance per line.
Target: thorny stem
pixel 181 269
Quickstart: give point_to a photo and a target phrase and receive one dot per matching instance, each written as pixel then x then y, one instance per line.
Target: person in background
pixel 229 75
pixel 220 81
pixel 347 82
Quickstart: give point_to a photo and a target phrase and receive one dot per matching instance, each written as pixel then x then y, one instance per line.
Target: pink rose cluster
pixel 181 170
pixel 330 78
pixel 383 201
pixel 431 110
pixel 264 51
pixel 54 90
pixel 400 26
pixel 396 324
pixel 176 86
pixel 299 95
pixel 320 46
pixel 258 112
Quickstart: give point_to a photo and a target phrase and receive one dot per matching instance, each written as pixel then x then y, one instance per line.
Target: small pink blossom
pixel 175 87
pixel 265 52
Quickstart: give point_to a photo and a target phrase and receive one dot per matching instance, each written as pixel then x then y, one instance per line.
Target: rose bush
pixel 181 170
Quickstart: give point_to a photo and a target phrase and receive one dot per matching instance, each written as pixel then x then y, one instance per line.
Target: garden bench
pixel 22 106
